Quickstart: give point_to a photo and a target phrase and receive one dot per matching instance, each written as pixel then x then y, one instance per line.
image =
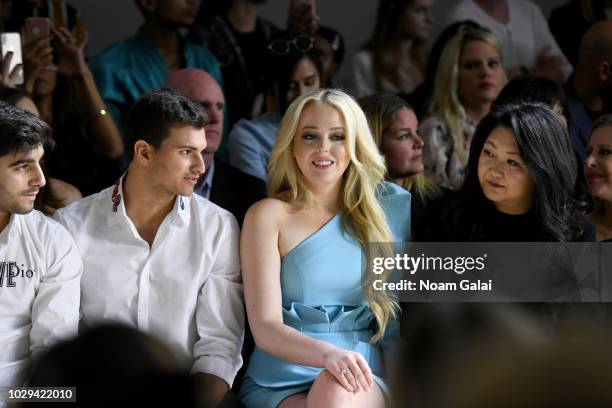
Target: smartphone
pixel 36 28
pixel 11 42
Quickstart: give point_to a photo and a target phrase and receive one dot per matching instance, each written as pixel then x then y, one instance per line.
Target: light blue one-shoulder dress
pixel 321 284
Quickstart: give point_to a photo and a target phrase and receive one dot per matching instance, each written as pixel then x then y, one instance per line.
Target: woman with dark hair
pixel 598 171
pixel 293 68
pixel 393 59
pixel 394 127
pixel 519 184
pixel 547 91
pixel 88 142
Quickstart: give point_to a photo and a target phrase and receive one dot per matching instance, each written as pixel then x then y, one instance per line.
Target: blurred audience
pixel 393 59
pixel 598 171
pixel 221 183
pixel 470 76
pixel 442 340
pixel 394 127
pixel 535 89
pixel 580 15
pixel 61 13
pixel 330 45
pixel 293 69
pixel 88 142
pixel 135 369
pixel 420 98
pixel 234 32
pixel 572 371
pixel 589 90
pixel 126 70
pixel 522 32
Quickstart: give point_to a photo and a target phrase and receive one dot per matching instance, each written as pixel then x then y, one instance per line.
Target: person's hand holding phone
pixel 37 49
pixel 70 52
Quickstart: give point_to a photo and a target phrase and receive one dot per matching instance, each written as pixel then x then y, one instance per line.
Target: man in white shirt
pixel 528 47
pixel 157 256
pixel 40 266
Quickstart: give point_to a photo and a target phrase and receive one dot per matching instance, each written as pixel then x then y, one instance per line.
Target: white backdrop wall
pixel 109 21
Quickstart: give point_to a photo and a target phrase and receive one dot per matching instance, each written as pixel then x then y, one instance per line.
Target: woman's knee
pixel 327 392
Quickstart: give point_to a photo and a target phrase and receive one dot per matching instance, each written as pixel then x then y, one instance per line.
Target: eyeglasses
pixel 301 43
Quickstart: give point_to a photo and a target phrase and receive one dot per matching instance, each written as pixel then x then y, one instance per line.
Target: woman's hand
pixel 70 52
pixel 36 56
pixel 350 369
pixel 9 77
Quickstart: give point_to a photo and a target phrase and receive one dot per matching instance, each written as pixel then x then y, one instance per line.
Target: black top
pixel 568 25
pixel 240 58
pixel 419 204
pixel 454 217
pixel 235 190
pixel 75 160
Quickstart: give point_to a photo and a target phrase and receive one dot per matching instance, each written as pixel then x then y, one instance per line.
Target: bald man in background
pixel 589 90
pixel 221 183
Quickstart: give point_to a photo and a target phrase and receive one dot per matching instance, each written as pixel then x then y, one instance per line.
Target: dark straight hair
pixel 153 116
pixel 22 131
pixel 545 147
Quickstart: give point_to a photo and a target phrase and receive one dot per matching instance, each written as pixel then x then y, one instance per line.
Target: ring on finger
pixel 345 371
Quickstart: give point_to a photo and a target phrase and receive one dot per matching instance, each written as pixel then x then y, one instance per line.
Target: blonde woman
pixel 319 336
pixel 470 76
pixel 394 127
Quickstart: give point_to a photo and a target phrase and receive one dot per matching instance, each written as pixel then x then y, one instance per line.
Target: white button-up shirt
pixel 186 289
pixel 40 271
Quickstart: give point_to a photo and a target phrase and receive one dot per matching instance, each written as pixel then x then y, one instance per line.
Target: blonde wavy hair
pixel 445 102
pixel 379 110
pixel 364 217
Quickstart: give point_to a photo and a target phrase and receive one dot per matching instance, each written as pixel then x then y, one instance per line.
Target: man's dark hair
pixel 153 116
pixel 22 131
pixel 13 95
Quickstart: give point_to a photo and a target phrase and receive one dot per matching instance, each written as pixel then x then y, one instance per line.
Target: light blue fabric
pixel 251 141
pixel 128 69
pixel 322 297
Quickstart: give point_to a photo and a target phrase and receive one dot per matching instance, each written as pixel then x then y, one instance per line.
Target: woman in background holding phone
pixel 88 143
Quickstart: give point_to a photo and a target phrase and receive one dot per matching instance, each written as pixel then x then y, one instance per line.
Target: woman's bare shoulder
pixel 269 210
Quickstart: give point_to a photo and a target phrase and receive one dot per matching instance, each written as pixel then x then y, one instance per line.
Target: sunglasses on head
pixel 301 43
